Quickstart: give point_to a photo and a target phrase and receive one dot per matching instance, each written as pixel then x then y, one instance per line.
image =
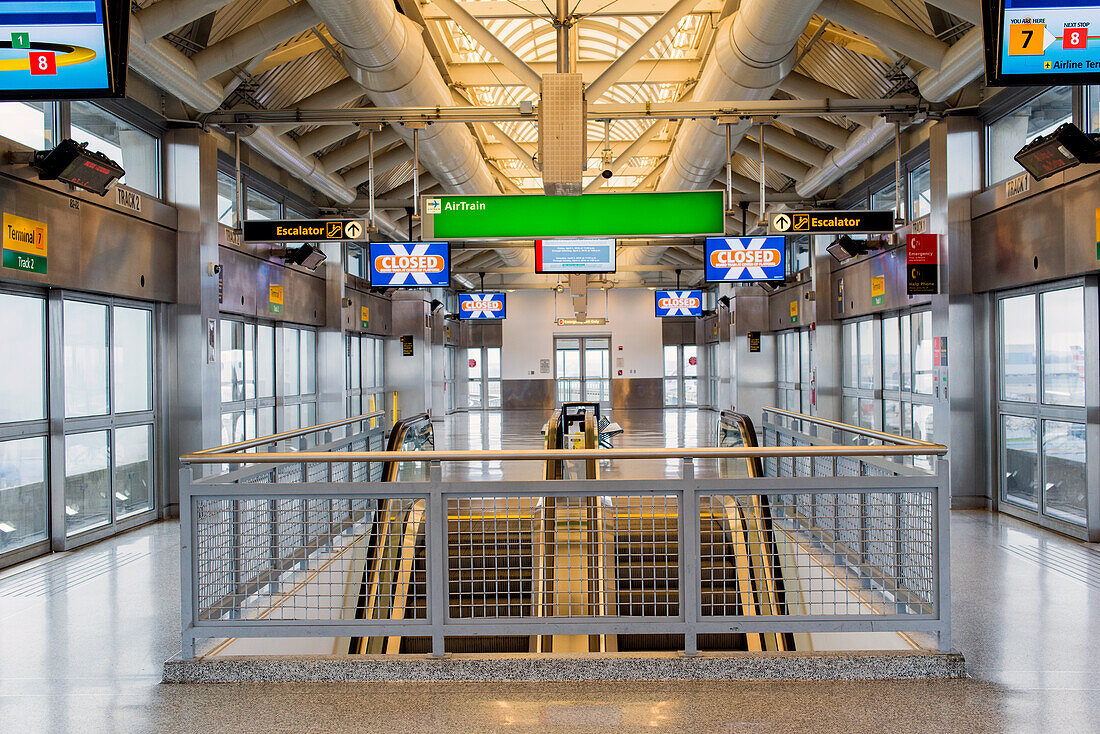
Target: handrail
pixel 847 428
pixel 700 452
pixel 276 437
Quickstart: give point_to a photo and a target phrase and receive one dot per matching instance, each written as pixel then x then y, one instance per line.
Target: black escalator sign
pixel 833 222
pixel 303 230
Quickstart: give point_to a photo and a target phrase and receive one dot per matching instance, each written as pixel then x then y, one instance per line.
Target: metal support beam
pixel 254 39
pixel 625 156
pixel 494 45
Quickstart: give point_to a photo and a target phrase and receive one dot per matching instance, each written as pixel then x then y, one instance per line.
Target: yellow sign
pixel 275 299
pixel 794 312
pixel 364 316
pixel 878 290
pixel 24 244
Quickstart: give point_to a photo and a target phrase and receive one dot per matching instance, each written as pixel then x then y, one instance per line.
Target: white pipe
pixel 970 10
pixel 166 67
pixel 334 95
pixel 323 137
pixel 167 15
pixel 885 30
pixel 256 38
pixel 753 50
pixel 359 149
pixel 637 50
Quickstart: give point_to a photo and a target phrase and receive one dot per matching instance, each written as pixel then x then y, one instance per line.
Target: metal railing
pixel 269 552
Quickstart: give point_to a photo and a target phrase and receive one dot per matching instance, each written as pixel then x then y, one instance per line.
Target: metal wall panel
pixel 638 392
pixel 246 280
pixel 779 308
pixel 527 394
pixel 93 246
pixel 856 281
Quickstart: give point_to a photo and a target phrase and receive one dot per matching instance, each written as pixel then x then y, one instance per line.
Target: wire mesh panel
pixel 761 556
pixel 338 565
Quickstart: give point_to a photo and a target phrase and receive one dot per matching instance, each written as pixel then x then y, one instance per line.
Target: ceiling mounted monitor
pixel 1064 148
pixel 667 304
pixel 410 264
pixel 73 163
pixel 575 256
pixel 1041 42
pixel 745 259
pixel 482 306
pixel 63 49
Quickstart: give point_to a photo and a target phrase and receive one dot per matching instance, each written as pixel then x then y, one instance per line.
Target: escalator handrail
pixel 397 438
pixel 748 437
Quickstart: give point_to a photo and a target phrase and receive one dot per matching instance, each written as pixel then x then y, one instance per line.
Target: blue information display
pixel 749 259
pixel 410 264
pixel 60 49
pixel 678 303
pixel 481 306
pixel 575 256
pixel 1044 41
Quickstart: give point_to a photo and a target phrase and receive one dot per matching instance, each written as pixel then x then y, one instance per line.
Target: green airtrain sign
pixel 592 215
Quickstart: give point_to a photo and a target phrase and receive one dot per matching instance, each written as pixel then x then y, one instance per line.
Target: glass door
pixel 583 369
pixel 483 377
pixel 681 375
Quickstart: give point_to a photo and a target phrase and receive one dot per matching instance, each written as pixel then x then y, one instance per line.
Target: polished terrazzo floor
pixel 83 635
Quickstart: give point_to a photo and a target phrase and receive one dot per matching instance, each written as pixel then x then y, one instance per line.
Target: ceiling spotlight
pixel 307 256
pixel 844 247
pixel 724 301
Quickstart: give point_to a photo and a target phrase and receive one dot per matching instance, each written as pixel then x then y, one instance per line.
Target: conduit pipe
pixel 256 38
pixel 753 50
pixel 886 31
pixel 964 61
pixel 174 72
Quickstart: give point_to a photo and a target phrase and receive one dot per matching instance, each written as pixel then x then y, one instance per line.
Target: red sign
pixel 922 249
pixel 43 63
pixel 692 360
pixel 473 363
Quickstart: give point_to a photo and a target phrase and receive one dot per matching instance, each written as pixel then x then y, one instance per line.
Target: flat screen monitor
pixel 63 49
pixel 563 256
pixel 745 259
pixel 410 264
pixel 678 303
pixel 1042 42
pixel 482 306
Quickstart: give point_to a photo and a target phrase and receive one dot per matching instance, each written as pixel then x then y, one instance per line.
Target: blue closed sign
pixel 678 303
pixel 481 306
pixel 409 264
pixel 736 259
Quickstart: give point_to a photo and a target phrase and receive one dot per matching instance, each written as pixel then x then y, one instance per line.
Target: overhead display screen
pixel 678 303
pixel 410 264
pixel 575 256
pixel 62 49
pixel 745 259
pixel 1043 42
pixel 481 306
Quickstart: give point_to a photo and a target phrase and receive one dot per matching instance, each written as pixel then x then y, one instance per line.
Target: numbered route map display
pixel 60 49
pixel 1043 42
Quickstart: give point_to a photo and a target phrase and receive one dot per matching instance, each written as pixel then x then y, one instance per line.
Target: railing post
pixel 187 579
pixel 943 551
pixel 304 505
pixel 436 541
pixel 688 529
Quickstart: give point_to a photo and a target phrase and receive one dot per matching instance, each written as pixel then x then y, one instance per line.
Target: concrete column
pixel 410 376
pixel 962 391
pixel 193 383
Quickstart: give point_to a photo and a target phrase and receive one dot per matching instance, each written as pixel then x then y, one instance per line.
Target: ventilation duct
pixel 562 134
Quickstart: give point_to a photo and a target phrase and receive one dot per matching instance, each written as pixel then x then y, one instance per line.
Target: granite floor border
pixel 606 666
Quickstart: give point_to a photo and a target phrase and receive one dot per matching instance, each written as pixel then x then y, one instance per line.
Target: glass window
pixel 1007 135
pixel 906 354
pixel 308 359
pixel 885 199
pixel 924 428
pixel 291 362
pixel 227 199
pixel 355 261
pixel 23 495
pixel 232 361
pixel 492 362
pixel 131 359
pixel 355 366
pixel 1019 460
pixel 27 123
pixel 849 339
pixel 891 417
pixel 133 475
pixel 23 369
pixel 1064 476
pixel 261 207
pixel 672 361
pixel 1019 381
pixel 920 191
pixel 922 352
pixel 891 355
pixel 804 357
pixel 87 481
pixel 135 150
pixel 866 354
pixel 85 349
pixel 691 361
pixel 1063 340
pixel 265 361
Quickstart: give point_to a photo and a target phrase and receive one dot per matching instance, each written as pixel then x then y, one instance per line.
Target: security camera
pixel 607 173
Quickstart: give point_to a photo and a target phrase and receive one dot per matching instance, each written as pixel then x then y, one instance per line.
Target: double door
pixel 583 369
pixel 681 375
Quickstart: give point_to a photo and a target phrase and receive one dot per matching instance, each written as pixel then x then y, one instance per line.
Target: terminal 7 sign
pixel 590 215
